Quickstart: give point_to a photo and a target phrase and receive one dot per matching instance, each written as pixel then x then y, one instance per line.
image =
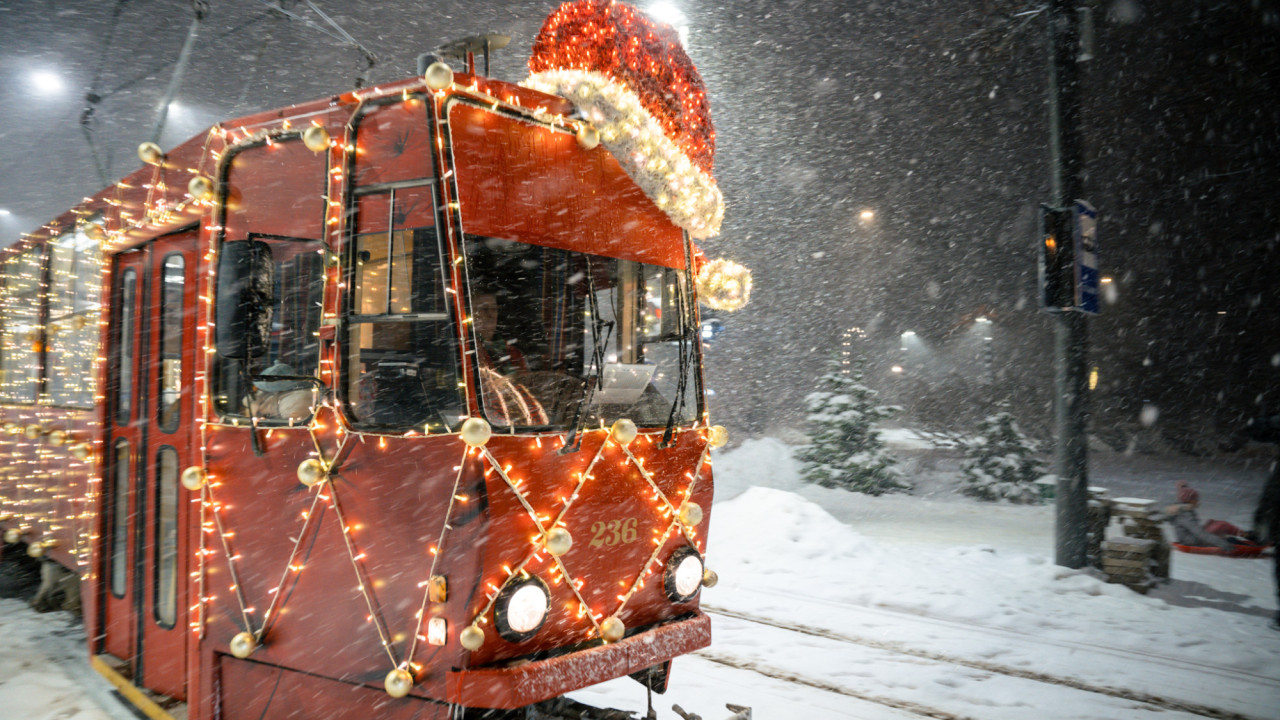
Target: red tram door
pixel 145 546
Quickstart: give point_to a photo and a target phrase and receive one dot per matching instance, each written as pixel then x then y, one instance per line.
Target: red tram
pixel 388 403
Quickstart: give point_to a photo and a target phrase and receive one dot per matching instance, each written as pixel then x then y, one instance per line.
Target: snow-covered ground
pixel 839 605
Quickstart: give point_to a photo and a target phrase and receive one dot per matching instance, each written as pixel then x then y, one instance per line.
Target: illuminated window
pixel 166 541
pixel 402 348
pixel 170 355
pixel 75 304
pixel 20 333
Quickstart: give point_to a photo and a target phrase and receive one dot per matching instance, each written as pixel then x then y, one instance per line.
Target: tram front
pixel 580 357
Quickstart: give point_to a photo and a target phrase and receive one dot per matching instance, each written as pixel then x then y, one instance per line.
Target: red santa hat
pixel 630 77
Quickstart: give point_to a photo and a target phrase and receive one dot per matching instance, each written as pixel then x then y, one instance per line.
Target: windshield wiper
pixel 572 442
pixel 684 349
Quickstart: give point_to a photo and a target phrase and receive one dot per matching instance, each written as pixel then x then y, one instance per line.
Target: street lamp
pixel 668 13
pixel 46 82
pixel 867 215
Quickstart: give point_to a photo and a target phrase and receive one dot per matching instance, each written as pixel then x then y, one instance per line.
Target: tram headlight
pixel 684 574
pixel 521 609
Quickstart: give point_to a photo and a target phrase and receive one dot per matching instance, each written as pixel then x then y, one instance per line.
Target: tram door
pixel 146 547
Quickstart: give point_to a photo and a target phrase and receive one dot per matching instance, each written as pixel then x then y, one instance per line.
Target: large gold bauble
pixel 58 437
pixel 717 436
pixel 690 514
pixel 623 431
pixel 13 535
pixel 316 138
pixel 612 629
pixel 476 432
pixel 398 683
pixel 312 472
pixel 558 541
pixel 150 153
pixel 80 451
pixel 34 431
pixel 194 478
pixel 588 137
pixel 201 188
pixel 438 76
pixel 243 645
pixel 471 637
pixel 38 549
pixel 709 578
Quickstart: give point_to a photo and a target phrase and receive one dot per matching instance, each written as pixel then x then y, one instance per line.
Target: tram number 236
pixel 614 532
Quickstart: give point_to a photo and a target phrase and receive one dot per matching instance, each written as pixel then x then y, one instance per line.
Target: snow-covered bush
pixel 846 450
pixel 1000 463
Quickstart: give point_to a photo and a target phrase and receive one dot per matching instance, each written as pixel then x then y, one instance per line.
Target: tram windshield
pixel 563 337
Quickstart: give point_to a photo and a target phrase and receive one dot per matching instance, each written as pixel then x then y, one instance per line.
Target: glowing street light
pixel 867 215
pixel 668 13
pixel 46 82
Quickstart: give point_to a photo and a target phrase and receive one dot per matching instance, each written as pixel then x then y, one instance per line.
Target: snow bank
pixel 806 544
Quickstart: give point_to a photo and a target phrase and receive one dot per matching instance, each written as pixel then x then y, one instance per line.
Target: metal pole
pixel 162 114
pixel 1071 338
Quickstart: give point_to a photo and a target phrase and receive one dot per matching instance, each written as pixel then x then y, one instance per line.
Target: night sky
pixel 929 113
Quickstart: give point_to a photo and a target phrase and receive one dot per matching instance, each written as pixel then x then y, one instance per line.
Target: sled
pixel 1243 550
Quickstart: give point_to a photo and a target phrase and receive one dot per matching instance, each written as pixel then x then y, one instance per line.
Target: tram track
pixel 1066 645
pixel 1146 700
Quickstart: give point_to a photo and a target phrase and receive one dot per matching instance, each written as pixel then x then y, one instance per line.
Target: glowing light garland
pixel 559 572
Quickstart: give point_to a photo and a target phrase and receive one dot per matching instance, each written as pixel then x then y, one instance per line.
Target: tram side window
pixel 401 365
pixel 20 337
pixel 274 194
pixel 171 317
pixel 166 587
pixel 244 385
pixel 75 303
pixel 119 528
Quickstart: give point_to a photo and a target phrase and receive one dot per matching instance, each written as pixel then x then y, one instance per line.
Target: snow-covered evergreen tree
pixel 1000 463
pixel 847 451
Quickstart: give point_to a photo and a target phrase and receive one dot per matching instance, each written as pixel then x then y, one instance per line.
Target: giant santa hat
pixel 629 76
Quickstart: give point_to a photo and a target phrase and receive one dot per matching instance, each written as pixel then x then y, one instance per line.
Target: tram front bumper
pixel 508 688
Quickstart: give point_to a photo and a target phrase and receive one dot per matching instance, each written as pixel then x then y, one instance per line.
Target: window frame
pixel 213 372
pixel 158 540
pixel 91 312
pixel 9 396
pixel 161 355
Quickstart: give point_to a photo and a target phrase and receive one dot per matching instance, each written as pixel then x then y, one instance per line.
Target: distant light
pixel 176 108
pixel 867 215
pixel 896 369
pixel 1093 379
pixel 4 212
pixel 1222 312
pixel 1106 280
pixel 982 319
pixel 46 82
pixel 665 12
pixel 909 333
